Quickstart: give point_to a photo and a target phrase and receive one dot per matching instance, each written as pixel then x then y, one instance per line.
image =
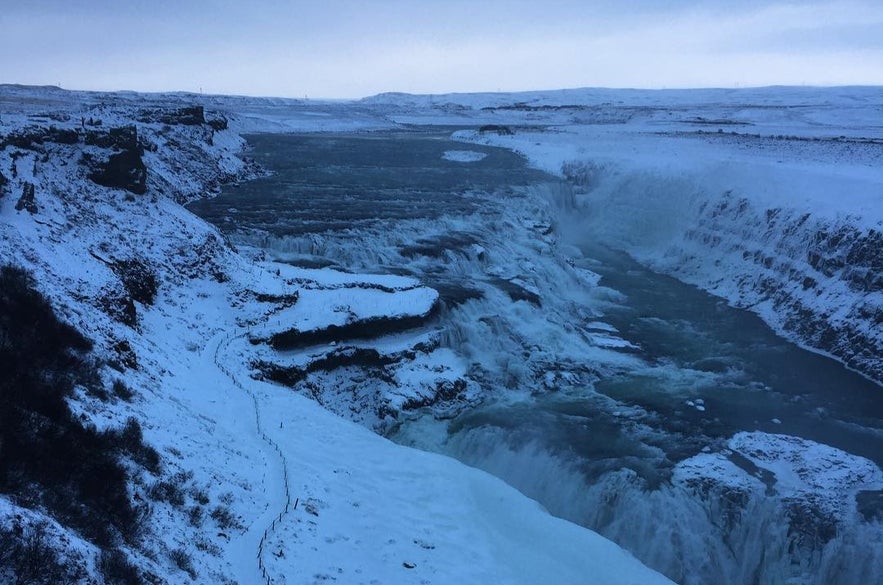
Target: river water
pixel 603 381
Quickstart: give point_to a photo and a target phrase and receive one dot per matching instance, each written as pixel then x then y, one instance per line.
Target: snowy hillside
pixel 255 483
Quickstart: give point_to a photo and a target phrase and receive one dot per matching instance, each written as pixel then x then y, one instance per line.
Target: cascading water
pixel 695 531
pixel 612 395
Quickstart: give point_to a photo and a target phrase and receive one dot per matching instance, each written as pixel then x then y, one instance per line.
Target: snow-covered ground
pixel 272 487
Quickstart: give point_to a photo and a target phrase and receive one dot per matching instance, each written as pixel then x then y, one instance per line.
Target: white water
pixel 721 536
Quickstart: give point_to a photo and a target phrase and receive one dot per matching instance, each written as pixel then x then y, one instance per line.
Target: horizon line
pixel 447 93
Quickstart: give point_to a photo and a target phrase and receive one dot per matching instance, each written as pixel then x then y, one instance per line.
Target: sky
pixel 352 48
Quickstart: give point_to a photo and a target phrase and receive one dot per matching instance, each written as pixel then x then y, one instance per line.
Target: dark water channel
pixel 709 370
pixel 340 183
pixel 761 381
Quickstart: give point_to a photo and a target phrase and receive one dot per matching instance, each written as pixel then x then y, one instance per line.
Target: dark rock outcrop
pixel 188 116
pixel 32 138
pixel 122 138
pixel 138 278
pixel 366 358
pixel 516 291
pixel 119 306
pixel 26 201
pixel 495 129
pixel 123 170
pixel 219 123
pixel 445 391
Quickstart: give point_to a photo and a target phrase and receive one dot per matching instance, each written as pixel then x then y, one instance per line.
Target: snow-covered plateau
pixel 513 316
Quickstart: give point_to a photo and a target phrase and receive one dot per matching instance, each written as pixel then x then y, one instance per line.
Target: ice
pixel 465 156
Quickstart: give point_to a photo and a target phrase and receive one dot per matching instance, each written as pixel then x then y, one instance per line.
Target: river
pixel 605 383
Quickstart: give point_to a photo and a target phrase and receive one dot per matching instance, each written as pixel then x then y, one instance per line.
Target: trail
pixel 249 556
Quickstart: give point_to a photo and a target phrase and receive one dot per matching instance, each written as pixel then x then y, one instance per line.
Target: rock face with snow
pixel 818 279
pixel 187 115
pixel 122 170
pixel 360 345
pixel 26 201
pixel 817 488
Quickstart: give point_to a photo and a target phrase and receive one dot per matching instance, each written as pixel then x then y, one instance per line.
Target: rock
pixel 188 116
pixel 60 136
pixel 122 138
pixel 496 129
pixel 361 329
pixel 26 201
pixel 125 356
pixel 219 123
pixel 124 170
pixel 517 290
pixel 138 278
pixel 32 137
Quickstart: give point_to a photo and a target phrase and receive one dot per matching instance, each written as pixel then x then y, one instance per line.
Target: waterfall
pixel 695 536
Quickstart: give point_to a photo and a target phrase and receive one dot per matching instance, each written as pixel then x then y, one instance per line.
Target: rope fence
pixel 257 413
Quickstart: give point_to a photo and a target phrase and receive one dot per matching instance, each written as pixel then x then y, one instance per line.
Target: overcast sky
pixel 354 48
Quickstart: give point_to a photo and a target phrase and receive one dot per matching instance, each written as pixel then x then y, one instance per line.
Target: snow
pixel 369 506
pixel 648 171
pixel 796 469
pixel 320 308
pixel 365 506
pixel 805 468
pixel 465 156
